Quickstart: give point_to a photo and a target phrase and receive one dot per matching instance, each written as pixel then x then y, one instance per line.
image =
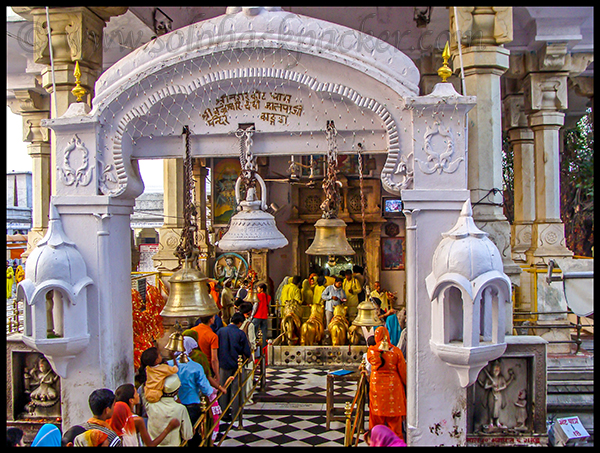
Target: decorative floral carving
pixel 439 162
pixel 83 174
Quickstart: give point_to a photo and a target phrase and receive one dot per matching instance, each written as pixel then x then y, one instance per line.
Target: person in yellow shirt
pixel 19 274
pixel 318 292
pixel 381 295
pixel 291 291
pixel 10 279
pixel 351 287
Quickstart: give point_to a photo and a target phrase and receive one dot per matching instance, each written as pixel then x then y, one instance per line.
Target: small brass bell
pixel 384 345
pixel 175 343
pixel 252 297
pixel 367 315
pixel 330 239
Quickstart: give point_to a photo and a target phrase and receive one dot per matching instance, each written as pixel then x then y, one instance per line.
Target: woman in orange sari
pixel 387 397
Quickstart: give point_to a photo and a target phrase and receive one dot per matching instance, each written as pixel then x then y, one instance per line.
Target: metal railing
pixel 205 424
pixel 356 426
pixel 526 321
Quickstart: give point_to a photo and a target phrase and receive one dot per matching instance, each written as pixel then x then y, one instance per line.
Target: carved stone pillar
pixel 33 108
pixel 545 87
pixel 170 232
pixel 520 137
pixel 75 35
pixel 483 31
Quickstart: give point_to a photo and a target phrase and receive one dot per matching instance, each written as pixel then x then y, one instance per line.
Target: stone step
pixel 570 373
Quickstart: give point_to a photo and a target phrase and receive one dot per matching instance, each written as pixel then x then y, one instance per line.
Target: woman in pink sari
pixel 382 436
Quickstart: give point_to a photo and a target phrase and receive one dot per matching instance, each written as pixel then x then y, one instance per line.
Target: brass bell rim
pixel 362 319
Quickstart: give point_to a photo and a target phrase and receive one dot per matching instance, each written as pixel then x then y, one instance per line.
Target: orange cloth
pixel 387 394
pixel 207 339
pixel 122 422
pixel 155 380
pixel 214 292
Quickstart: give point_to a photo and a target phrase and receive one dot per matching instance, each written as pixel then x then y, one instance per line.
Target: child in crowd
pixel 156 373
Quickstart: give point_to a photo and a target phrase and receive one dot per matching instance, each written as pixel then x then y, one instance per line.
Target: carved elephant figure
pixel 291 323
pixel 338 327
pixel 311 332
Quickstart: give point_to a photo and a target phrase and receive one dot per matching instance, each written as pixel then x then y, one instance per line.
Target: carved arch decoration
pixel 278 30
pixel 394 164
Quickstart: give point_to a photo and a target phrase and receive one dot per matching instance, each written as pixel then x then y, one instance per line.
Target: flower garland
pixel 147 322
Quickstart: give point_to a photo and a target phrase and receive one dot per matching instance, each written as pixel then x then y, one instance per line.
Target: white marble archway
pixel 330 72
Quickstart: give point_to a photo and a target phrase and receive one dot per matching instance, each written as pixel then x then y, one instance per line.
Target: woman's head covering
pixel 90 438
pixel 382 436
pixel 380 333
pixel 189 344
pixel 48 436
pixel 122 421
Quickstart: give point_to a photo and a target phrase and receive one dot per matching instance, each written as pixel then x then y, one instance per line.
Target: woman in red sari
pixel 387 396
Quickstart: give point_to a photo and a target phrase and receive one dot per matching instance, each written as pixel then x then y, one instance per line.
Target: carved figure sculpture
pixel 291 322
pixel 338 326
pixel 42 382
pixel 521 411
pixel 495 384
pixel 312 330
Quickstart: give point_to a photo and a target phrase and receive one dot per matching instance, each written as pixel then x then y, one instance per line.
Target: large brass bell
pixel 189 295
pixel 252 228
pixel 367 315
pixel 330 238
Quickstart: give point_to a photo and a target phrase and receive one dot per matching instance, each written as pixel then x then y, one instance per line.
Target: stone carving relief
pixel 76 154
pixel 43 386
pixel 501 397
pixel 440 162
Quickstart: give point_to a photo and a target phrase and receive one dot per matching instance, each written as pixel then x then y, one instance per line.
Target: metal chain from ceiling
pixel 187 248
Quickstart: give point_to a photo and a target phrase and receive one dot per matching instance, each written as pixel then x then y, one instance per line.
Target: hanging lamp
pixel 188 295
pixel 330 232
pixel 252 228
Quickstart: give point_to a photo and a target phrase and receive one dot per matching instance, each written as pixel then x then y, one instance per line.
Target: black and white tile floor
pixel 291 412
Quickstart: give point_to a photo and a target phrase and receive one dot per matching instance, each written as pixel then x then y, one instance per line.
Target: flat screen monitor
pixel 391 207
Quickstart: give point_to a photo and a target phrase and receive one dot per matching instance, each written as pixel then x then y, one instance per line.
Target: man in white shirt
pixel 333 295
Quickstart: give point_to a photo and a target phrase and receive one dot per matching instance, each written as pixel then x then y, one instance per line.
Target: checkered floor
pixel 291 412
pixel 306 385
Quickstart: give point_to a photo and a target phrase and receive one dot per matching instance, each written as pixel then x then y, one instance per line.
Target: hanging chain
pixel 363 205
pixel 331 204
pixel 247 159
pixel 187 243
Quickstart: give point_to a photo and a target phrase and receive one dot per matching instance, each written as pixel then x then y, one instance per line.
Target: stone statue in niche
pixel 521 411
pixel 495 384
pixel 42 383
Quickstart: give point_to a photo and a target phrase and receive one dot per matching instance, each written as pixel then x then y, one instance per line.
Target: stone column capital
pixel 545 91
pixel 484 59
pixel 481 25
pixel 513 106
pixel 76 33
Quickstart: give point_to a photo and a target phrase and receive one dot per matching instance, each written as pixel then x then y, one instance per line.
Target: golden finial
pixel 78 91
pixel 444 72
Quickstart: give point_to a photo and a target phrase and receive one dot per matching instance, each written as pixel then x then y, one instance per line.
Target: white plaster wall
pixel 437 403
